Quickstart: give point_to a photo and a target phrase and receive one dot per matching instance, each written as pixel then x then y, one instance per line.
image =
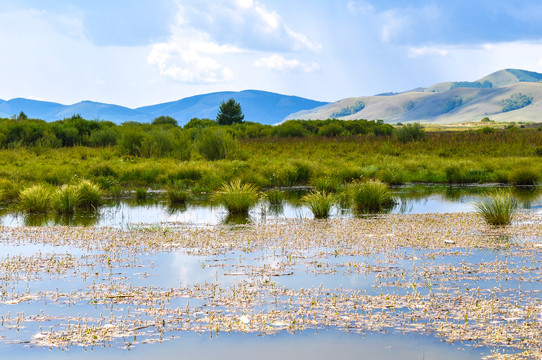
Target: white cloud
pixel 279 63
pixel 427 51
pixel 207 33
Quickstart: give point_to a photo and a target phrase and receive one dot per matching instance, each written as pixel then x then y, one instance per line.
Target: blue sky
pixel 140 52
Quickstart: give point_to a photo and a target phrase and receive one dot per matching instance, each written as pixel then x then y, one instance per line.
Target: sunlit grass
pixel 35 199
pixel 371 196
pixel 498 208
pixel 237 197
pixel 320 203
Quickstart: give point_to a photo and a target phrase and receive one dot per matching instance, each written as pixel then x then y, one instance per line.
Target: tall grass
pixel 274 197
pixel 9 191
pixel 65 200
pixel 498 208
pixel 35 199
pixel 320 203
pixel 371 196
pixel 89 195
pixel 237 197
pixel 523 176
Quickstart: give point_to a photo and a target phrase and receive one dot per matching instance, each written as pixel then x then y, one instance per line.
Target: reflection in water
pixel 237 219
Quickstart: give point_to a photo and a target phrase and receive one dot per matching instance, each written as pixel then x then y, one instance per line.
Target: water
pixel 418 199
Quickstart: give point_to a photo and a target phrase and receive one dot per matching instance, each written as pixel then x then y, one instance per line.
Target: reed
pixel 320 203
pixel 237 197
pixel 371 196
pixel 497 208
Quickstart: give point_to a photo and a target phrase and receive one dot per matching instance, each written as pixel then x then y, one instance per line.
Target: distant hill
pixel 258 106
pixel 506 95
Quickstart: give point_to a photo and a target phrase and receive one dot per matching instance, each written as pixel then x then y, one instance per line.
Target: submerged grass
pixel 320 203
pixel 497 208
pixel 237 197
pixel 371 196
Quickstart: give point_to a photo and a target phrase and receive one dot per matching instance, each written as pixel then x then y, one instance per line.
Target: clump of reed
pixel 497 208
pixel 89 195
pixel 35 199
pixel 65 199
pixel 371 196
pixel 320 203
pixel 237 197
pixel 274 197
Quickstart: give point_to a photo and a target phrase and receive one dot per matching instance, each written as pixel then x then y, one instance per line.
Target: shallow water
pixel 418 199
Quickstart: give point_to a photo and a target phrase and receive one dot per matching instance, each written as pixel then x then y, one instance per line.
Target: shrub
pixel 320 203
pixel 410 132
pixel 65 200
pixel 523 176
pixel 89 195
pixel 498 208
pixel 215 144
pixel 516 101
pixel 35 199
pixel 9 191
pixel 371 196
pixel 236 197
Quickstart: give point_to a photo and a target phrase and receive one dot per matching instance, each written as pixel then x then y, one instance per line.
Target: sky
pixel 141 52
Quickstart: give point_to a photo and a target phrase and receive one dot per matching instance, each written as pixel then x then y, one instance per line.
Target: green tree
pixel 165 120
pixel 229 113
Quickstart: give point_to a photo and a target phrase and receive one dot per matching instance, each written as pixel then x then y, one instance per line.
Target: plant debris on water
pixel 448 275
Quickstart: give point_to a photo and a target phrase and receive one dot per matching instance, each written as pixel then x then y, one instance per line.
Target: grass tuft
pixel 89 195
pixel 65 200
pixel 236 197
pixel 320 203
pixel 275 197
pixel 35 199
pixel 371 196
pixel 498 208
pixel 9 191
pixel 523 176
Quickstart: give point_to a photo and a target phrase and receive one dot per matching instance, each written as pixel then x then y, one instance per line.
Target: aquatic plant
pixel 497 208
pixel 320 203
pixel 35 199
pixel 177 196
pixel 89 194
pixel 141 194
pixel 523 176
pixel 371 196
pixel 237 197
pixel 275 197
pixel 65 200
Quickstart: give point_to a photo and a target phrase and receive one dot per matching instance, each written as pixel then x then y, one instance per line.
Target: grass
pixel 89 195
pixel 498 208
pixel 274 197
pixel 65 200
pixel 35 199
pixel 371 196
pixel 320 203
pixel 177 196
pixel 9 191
pixel 141 194
pixel 523 176
pixel 237 197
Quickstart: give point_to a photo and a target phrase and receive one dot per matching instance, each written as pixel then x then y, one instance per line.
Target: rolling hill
pixel 258 106
pixel 448 102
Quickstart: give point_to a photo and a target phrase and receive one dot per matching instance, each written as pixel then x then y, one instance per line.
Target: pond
pixel 429 280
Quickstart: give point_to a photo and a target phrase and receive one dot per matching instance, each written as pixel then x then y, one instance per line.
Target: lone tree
pixel 229 113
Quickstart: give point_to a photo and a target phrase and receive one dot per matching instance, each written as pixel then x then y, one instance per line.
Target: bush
pixel 523 176
pixel 65 200
pixel 236 197
pixel 89 195
pixel 498 208
pixel 215 144
pixel 371 196
pixel 410 132
pixel 515 102
pixel 35 199
pixel 320 203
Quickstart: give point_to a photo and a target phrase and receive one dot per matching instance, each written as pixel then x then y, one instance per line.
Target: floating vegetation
pixel 498 208
pixel 237 197
pixel 449 275
pixel 320 203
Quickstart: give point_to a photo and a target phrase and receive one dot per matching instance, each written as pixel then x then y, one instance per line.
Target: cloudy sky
pixel 141 52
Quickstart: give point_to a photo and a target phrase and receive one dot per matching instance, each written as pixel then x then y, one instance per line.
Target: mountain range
pixel 258 106
pixel 506 95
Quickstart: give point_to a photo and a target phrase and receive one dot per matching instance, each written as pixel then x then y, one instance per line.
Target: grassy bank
pixel 456 158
